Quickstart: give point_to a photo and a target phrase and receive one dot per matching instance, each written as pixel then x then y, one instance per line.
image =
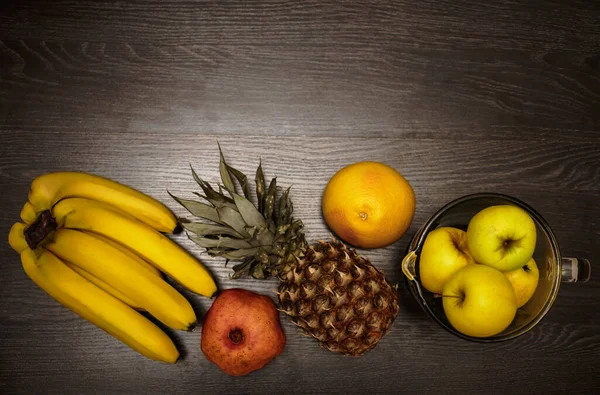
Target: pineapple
pixel 328 290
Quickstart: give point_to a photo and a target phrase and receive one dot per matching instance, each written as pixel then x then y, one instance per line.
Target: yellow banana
pixel 16 238
pixel 127 251
pixel 103 286
pixel 156 248
pixel 117 269
pixel 28 214
pixel 98 307
pixel 46 190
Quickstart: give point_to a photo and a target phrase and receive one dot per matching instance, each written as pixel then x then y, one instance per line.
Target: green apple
pixel 444 252
pixel 479 301
pixel 524 281
pixel 502 237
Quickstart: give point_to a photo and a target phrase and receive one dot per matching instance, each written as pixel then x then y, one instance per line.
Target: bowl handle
pixel 408 265
pixel 574 270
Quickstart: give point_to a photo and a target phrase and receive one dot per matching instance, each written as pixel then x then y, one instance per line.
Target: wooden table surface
pixel 459 96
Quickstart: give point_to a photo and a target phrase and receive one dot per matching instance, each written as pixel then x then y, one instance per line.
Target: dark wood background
pixel 459 96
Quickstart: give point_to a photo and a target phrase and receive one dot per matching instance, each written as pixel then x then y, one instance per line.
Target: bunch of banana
pixel 96 247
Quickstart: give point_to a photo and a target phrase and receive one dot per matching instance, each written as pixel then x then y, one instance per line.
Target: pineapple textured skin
pixel 339 298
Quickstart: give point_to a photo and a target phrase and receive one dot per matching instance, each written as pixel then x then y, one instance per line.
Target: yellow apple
pixel 479 301
pixel 444 252
pixel 502 237
pixel 524 281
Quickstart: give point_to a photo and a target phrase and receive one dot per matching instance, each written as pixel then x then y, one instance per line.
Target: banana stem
pixel 40 228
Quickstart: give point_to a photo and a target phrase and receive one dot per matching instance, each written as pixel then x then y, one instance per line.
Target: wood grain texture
pixel 503 25
pixel 380 89
pixel 459 96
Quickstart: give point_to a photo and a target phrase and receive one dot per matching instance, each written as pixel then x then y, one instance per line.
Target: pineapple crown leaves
pixel 265 237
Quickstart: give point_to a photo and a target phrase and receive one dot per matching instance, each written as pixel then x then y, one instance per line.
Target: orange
pixel 368 204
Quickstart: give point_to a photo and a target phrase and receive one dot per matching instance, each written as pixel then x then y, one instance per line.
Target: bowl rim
pixel 418 240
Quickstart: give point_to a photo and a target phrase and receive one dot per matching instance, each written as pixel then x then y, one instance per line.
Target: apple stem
pixel 446 296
